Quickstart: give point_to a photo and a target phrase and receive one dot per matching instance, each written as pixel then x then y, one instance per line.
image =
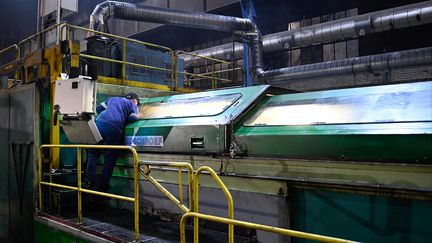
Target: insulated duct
pixel 356 65
pixel 128 11
pixel 395 18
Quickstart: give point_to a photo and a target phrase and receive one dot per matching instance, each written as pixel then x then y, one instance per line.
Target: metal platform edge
pixel 68 229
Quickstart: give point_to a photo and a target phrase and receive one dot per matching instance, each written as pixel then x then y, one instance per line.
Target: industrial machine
pixel 322 125
pixel 258 135
pixel 284 156
pixel 339 125
pixel 191 123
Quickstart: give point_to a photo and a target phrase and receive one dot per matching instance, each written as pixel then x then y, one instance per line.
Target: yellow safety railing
pixel 123 62
pixel 230 220
pixel 180 166
pixel 249 225
pixel 63 33
pixel 17 55
pixel 14 46
pixel 80 190
pixel 196 201
pixel 193 181
pixel 211 75
pixel 39 35
pixel 21 44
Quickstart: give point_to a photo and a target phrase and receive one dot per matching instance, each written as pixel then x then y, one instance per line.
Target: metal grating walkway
pixel 117 225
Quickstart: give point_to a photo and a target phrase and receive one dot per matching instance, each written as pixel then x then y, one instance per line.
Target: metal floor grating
pixel 117 226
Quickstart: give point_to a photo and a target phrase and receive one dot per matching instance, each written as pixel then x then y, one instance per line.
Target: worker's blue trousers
pixel 111 136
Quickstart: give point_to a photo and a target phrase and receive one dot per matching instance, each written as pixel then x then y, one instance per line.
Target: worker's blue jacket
pixel 117 112
pixel 114 114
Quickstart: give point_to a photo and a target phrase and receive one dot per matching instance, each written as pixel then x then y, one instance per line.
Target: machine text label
pixel 145 141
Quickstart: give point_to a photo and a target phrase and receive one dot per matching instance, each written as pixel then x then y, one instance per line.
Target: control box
pixel 75 101
pixel 75 96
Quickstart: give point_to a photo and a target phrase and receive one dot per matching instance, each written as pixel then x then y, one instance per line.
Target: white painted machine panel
pixel 75 96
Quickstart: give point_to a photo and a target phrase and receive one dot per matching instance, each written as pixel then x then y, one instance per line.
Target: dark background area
pixel 17 20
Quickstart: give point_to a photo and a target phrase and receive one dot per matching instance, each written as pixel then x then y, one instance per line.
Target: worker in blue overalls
pixel 113 115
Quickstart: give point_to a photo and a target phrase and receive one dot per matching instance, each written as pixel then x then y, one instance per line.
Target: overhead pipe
pixel 355 65
pixel 129 11
pixel 395 18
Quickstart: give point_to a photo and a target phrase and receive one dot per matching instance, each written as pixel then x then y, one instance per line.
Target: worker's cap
pixel 131 96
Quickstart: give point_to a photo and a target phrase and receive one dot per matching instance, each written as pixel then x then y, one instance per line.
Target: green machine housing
pixel 192 123
pixel 391 123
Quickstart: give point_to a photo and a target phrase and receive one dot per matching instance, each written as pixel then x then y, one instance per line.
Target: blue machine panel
pixel 137 53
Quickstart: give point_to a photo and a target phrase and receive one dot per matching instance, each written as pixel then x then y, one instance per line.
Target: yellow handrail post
pixel 40 177
pixel 176 69
pixel 180 185
pixel 124 61
pixel 18 55
pixel 183 228
pixel 136 192
pixel 67 33
pixel 79 185
pixel 213 76
pixel 191 188
pixel 174 82
pixel 195 209
pixel 227 195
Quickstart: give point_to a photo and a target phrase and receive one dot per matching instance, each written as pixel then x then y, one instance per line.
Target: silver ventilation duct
pixel 395 18
pixel 128 11
pixel 354 65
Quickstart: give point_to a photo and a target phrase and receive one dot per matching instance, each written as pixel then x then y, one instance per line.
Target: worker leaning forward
pixel 113 115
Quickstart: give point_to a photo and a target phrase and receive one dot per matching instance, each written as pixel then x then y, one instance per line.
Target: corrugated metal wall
pixel 17 119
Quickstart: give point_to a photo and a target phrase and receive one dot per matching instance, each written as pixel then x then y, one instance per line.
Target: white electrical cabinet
pixel 75 96
pixel 74 100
